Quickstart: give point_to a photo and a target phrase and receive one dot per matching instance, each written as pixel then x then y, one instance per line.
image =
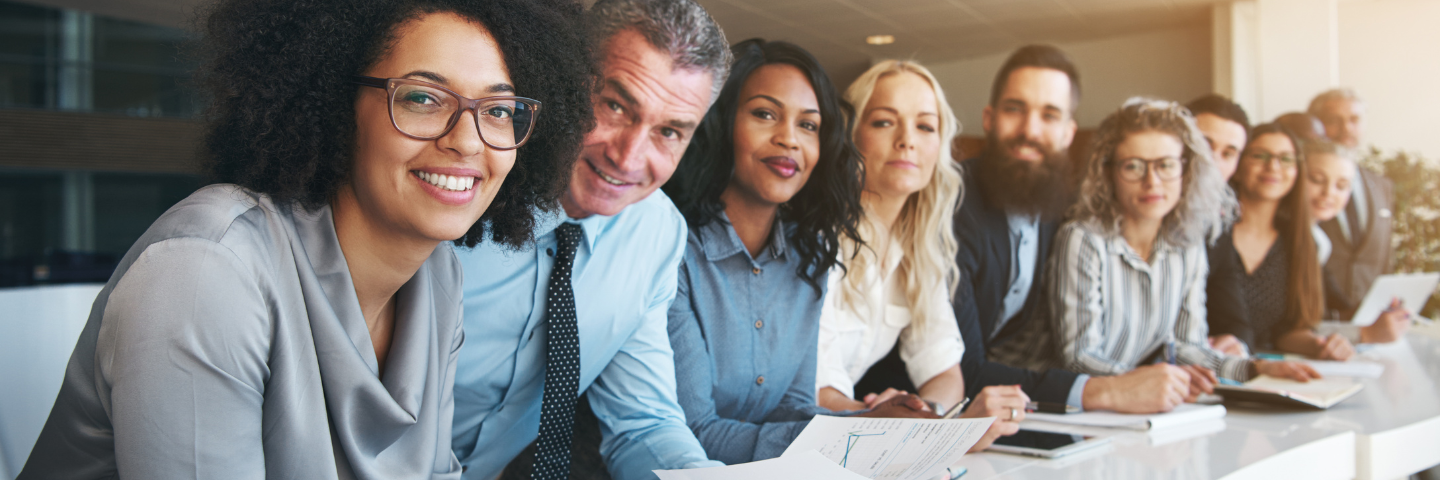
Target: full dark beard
pixel 1021 186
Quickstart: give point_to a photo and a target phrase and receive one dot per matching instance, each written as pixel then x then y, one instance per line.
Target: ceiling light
pixel 880 39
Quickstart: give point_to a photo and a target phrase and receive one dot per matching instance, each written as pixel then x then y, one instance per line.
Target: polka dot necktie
pixel 562 364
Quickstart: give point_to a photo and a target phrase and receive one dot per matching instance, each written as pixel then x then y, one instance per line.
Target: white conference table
pixel 1389 430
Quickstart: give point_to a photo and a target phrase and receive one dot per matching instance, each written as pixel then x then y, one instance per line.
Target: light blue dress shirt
pixel 1025 248
pixel 1025 243
pixel 746 333
pixel 624 281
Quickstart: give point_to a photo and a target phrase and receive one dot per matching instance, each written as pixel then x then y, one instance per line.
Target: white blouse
pixel 853 339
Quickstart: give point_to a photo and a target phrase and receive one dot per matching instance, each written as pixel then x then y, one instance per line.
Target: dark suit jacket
pixel 1353 266
pixel 984 260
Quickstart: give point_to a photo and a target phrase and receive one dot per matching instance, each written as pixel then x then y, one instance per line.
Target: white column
pixel 76 90
pixel 1273 56
pixel 77 204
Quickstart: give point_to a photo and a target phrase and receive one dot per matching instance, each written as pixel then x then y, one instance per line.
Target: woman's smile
pixel 785 167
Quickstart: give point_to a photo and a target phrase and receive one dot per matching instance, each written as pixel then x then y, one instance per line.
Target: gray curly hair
pixel 1206 205
pixel 681 29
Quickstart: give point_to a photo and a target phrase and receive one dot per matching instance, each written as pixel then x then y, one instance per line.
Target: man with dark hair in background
pixel 1361 233
pixel 1227 128
pixel 1018 189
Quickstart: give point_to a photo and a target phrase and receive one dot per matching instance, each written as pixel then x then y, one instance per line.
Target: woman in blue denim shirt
pixel 769 185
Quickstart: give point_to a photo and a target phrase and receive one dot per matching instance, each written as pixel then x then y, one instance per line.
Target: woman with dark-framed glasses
pixel 301 317
pixel 1266 285
pixel 1126 286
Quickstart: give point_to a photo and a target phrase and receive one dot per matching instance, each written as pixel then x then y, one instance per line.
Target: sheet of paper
pixel 890 448
pixel 1184 414
pixel 805 465
pixel 1352 368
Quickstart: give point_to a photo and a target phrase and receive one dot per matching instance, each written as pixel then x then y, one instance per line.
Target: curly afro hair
pixel 282 114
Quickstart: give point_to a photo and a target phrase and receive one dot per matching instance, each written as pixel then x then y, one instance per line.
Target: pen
pixel 955 412
pixel 1170 351
pixel 1051 407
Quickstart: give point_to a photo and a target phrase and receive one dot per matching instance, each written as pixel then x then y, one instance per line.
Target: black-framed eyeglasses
pixel 426 111
pixel 1135 169
pixel 1286 160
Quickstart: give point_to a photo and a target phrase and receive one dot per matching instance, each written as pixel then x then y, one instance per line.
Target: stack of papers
pixel 890 448
pixel 809 464
pixel 1182 415
pixel 856 448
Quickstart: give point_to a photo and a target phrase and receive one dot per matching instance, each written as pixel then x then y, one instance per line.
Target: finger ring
pixel 1012 414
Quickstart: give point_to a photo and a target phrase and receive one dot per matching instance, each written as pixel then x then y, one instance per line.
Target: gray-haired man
pixel 584 308
pixel 1361 233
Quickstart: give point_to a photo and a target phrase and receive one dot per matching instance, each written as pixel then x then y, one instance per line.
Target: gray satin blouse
pixel 229 343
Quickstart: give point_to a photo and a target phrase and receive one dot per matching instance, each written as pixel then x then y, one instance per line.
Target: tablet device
pixel 1036 443
pixel 1412 289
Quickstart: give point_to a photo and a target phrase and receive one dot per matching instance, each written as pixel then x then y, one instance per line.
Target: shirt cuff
pixel 1348 330
pixel 703 464
pixel 1235 368
pixel 1077 392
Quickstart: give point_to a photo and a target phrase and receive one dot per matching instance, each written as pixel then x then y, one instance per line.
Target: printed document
pixel 891 448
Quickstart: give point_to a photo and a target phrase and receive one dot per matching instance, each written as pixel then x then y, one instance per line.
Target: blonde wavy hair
pixel 923 230
pixel 1205 206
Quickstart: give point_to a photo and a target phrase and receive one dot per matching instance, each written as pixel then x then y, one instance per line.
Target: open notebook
pixel 1315 394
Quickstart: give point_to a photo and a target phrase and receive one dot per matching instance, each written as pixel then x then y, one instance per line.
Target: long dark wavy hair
pixel 1305 300
pixel 282 110
pixel 827 207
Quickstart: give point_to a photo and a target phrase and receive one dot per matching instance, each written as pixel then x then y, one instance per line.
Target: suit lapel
pixel 997 228
pixel 1373 199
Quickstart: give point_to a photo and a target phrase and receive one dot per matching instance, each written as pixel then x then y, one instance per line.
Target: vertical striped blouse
pixel 1112 310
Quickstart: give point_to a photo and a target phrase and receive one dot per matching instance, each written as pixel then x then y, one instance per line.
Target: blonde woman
pixel 897 285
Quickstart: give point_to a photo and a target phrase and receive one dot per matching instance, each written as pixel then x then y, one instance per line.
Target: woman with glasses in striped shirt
pixel 1127 279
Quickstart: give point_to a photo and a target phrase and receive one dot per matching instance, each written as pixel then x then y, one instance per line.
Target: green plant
pixel 1416 237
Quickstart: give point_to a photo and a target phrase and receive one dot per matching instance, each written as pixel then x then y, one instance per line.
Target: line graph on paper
pixel 890 448
pixel 866 448
pixel 854 437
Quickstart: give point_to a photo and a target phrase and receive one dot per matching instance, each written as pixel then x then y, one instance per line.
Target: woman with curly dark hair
pixel 769 186
pixel 301 319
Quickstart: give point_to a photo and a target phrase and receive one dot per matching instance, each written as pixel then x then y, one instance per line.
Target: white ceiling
pixel 940 30
pixel 835 30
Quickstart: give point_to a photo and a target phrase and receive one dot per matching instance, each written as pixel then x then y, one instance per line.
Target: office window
pixel 141 70
pixel 30 214
pixel 72 60
pixel 28 44
pixel 127 203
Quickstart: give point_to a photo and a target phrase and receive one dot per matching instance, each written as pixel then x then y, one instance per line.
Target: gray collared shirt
pixel 229 343
pixel 745 333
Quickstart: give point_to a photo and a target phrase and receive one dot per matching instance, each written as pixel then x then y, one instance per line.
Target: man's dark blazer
pixel 984 258
pixel 1352 267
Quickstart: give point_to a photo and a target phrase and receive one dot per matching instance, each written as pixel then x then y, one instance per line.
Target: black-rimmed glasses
pixel 1135 169
pixel 426 111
